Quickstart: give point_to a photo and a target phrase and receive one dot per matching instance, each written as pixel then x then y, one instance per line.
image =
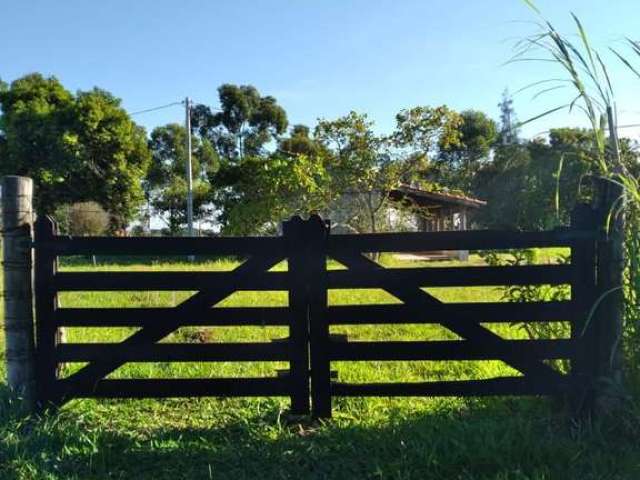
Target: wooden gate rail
pixel 157 323
pixel 310 349
pixel 450 276
pixel 464 319
pixel 498 312
pixel 68 245
pixel 458 240
pixel 167 281
pixel 147 317
pixel 180 387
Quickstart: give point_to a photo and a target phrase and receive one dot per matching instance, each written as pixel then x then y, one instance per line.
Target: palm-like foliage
pixel 585 72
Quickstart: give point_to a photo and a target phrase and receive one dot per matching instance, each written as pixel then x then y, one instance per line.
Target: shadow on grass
pixel 479 439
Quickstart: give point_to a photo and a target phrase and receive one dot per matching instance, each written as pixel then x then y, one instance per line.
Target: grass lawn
pixel 496 438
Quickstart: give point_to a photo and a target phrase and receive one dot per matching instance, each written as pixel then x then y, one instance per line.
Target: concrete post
pixel 17 226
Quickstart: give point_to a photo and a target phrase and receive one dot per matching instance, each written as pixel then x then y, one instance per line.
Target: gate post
pixel 17 221
pixel 583 295
pixel 46 304
pixel 609 203
pixel 293 233
pixel 317 232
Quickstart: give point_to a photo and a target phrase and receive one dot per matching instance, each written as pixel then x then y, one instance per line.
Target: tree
pixel 364 167
pixel 239 133
pixel 245 123
pixel 420 129
pixel 114 155
pixel 37 138
pixel 419 134
pixel 506 186
pixel 508 123
pixel 361 170
pixel 87 218
pixel 76 148
pixel 166 180
pixel 267 191
pixel 535 185
pixel 457 162
pixel 299 143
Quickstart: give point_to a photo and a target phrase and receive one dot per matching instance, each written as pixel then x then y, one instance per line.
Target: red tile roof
pixel 441 197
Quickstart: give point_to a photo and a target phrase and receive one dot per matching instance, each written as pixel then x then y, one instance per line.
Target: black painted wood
pixel 317 233
pixel 584 294
pixel 455 240
pixel 309 348
pixel 193 305
pixel 414 295
pixel 457 388
pixel 45 305
pixel 173 352
pixel 149 317
pixel 490 312
pixel 298 286
pixel 179 387
pixel 449 350
pixel 67 245
pixel 167 281
pixel 450 276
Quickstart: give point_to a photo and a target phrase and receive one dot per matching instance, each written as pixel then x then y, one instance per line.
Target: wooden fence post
pixel 609 316
pixel 46 304
pixel 293 232
pixel 17 221
pixel 583 296
pixel 316 239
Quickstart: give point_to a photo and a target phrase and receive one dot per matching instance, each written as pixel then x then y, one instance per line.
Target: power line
pixel 157 108
pixel 173 104
pixel 187 103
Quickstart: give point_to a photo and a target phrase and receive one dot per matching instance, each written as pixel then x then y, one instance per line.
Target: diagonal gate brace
pixel 96 371
pixel 471 331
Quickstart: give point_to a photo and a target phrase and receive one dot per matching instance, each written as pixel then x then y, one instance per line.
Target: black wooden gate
pixel 309 348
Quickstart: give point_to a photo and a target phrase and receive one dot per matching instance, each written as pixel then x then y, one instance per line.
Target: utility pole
pixel 187 104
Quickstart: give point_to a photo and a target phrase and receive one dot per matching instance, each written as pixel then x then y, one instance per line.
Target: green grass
pixel 455 438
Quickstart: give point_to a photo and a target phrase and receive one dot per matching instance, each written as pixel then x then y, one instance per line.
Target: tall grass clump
pixel 632 241
pixel 532 293
pixel 584 72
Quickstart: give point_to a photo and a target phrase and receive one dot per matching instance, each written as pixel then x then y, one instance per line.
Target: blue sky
pixel 319 59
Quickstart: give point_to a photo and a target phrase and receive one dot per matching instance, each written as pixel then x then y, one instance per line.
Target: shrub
pixel 533 293
pixel 87 218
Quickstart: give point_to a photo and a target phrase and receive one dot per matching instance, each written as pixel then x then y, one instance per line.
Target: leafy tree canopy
pixel 535 185
pixel 299 143
pixel 265 192
pixel 38 140
pixel 75 147
pixel 166 180
pixel 421 129
pixel 354 155
pixel 458 161
pixel 245 123
pixel 114 155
